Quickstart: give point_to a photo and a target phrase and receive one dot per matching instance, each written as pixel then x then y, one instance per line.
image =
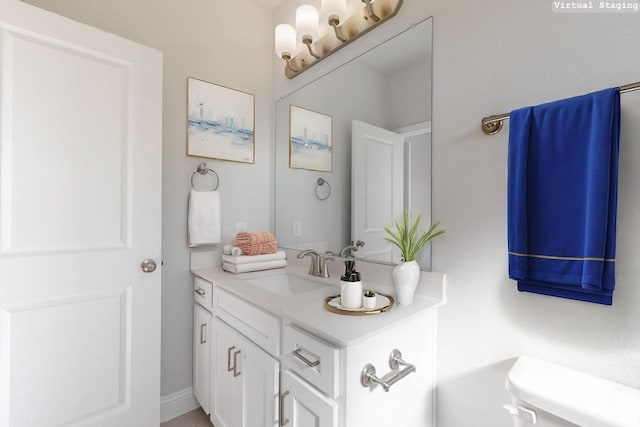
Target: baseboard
pixel 178 403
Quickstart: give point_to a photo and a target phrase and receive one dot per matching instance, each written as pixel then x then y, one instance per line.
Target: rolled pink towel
pixel 256 242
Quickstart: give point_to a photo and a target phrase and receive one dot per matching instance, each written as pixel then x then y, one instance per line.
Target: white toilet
pixel 547 395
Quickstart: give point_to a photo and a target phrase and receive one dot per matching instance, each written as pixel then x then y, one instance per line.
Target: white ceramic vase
pixel 405 278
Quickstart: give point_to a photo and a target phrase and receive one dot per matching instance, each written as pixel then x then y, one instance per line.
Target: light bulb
pixel 307 23
pixel 285 40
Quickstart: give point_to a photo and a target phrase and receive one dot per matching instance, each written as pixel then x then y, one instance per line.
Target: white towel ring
pixel 202 169
pixel 319 183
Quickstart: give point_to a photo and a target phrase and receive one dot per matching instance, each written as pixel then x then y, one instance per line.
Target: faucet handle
pixel 324 268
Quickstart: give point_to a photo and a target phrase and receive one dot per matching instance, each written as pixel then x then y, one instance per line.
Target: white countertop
pixel 307 309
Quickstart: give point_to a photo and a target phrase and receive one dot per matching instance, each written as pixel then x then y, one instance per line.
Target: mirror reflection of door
pixel 388 175
pixel 377 195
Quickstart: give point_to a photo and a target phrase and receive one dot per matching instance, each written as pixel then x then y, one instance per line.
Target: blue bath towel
pixel 562 196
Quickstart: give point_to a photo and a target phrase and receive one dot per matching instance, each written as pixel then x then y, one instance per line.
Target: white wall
pixel 224 42
pixel 491 57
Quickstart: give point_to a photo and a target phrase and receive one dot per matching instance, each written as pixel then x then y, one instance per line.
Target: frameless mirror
pixel 363 157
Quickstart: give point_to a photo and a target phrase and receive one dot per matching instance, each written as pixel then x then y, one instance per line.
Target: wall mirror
pixel 377 108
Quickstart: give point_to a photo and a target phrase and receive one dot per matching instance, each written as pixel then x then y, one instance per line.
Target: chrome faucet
pixel 349 248
pixel 314 270
pixel 318 263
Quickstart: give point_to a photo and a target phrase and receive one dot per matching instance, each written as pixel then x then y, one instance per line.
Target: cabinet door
pixel 201 356
pixel 304 406
pixel 226 390
pixel 259 384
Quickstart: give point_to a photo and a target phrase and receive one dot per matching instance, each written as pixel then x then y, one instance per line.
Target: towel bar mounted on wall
pixel 202 169
pixel 492 124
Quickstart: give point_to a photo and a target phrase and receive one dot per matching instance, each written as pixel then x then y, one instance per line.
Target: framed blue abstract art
pixel 220 122
pixel 309 140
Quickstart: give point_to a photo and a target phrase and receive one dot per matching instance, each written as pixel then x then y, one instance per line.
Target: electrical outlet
pixel 241 227
pixel 297 228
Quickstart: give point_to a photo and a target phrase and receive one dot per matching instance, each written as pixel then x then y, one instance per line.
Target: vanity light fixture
pixel 335 13
pixel 307 26
pixel 345 30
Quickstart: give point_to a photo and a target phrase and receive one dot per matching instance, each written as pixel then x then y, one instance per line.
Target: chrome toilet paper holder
pixel 369 379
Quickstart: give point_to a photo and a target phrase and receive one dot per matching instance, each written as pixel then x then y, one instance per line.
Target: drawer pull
pixel 368 377
pixel 283 421
pixel 203 333
pixel 200 292
pixel 298 355
pixel 235 364
pixel 229 350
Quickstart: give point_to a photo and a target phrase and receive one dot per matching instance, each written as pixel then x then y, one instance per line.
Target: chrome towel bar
pixel 369 379
pixel 492 124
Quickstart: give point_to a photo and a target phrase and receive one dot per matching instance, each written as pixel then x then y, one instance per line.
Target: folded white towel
pixel 204 218
pixel 248 259
pixel 254 266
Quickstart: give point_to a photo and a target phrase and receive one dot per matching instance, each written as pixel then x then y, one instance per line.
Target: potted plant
pixel 369 299
pixel 405 236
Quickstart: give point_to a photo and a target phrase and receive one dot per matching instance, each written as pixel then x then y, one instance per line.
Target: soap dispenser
pixel 350 287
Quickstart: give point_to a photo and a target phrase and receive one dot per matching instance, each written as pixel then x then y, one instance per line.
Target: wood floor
pixel 195 418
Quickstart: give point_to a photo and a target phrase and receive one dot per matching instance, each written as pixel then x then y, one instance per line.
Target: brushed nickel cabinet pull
pixel 203 333
pixel 283 421
pixel 235 364
pixel 298 355
pixel 200 292
pixel 229 350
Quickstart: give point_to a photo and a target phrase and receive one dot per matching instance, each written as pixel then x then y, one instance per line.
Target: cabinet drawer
pixel 256 324
pixel 203 293
pixel 311 358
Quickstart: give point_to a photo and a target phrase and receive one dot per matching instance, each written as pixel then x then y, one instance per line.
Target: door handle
pixel 148 266
pixel 283 421
pixel 203 333
pixel 235 364
pixel 229 350
pixel 298 355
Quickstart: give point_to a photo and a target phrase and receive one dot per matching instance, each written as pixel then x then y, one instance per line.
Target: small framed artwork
pixel 309 140
pixel 220 122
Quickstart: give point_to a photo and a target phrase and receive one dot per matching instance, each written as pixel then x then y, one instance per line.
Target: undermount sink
pixel 286 284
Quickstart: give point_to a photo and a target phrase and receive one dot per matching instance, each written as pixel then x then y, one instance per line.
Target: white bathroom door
pixel 80 182
pixel 377 179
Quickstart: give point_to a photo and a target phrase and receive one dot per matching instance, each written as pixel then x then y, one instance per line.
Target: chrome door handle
pixel 304 360
pixel 235 364
pixel 283 421
pixel 148 266
pixel 229 350
pixel 203 332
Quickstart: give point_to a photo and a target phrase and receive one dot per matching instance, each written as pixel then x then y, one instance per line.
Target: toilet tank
pixel 546 394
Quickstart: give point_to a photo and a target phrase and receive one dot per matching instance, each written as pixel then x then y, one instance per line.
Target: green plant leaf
pixel 405 236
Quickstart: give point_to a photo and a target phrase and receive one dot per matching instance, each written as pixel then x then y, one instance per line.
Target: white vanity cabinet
pixel 297 365
pixel 202 317
pixel 245 376
pixel 322 384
